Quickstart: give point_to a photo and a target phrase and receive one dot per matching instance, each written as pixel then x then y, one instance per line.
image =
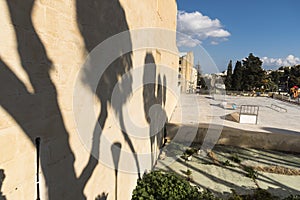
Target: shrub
pixel 190 151
pixel 161 185
pixel 188 172
pixel 235 158
pixel 251 173
pixel 293 197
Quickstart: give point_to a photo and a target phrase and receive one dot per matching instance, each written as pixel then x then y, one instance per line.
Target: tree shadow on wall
pixel 95 29
pixel 38 113
pixel 154 95
pixel 2 177
pixel 103 196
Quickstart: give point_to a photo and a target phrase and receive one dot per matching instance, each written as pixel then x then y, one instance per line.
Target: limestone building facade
pixel 44 46
pixel 186 64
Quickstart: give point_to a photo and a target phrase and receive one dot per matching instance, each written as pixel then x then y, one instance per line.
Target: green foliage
pixel 292 197
pixel 201 82
pixel 189 175
pixel 207 195
pixel 235 158
pixel 258 194
pixel 237 76
pixel 190 151
pixel 228 80
pixel 290 76
pixel 249 74
pixel 294 75
pixel 160 185
pixel 253 72
pixel 275 76
pixel 227 163
pixel 251 173
pixel 235 196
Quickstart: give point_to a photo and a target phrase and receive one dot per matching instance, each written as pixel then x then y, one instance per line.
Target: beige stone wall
pixel 187 64
pixel 194 76
pixel 44 44
pixel 243 138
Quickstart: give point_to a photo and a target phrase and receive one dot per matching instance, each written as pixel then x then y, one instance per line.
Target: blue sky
pixel 234 28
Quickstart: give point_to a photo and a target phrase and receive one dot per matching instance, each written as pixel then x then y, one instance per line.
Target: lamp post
pixel 287 84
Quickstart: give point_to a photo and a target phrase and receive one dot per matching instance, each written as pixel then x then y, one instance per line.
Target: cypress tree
pixel 237 76
pixel 228 80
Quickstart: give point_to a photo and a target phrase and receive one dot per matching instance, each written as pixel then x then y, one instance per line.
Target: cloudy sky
pixel 232 29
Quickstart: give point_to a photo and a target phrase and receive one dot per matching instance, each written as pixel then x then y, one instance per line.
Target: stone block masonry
pixel 44 44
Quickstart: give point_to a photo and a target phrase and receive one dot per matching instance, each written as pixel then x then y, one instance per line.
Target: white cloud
pixel 218 33
pixel 187 41
pixel 290 60
pixel 214 43
pixel 198 27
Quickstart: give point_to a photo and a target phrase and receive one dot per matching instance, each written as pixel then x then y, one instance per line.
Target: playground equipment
pixel 229 106
pixel 248 114
pixel 278 108
pixel 294 91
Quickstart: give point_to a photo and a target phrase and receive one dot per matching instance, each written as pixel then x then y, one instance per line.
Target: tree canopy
pixel 253 72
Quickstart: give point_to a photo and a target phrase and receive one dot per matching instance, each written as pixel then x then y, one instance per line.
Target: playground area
pixel 273 115
pixel 276 125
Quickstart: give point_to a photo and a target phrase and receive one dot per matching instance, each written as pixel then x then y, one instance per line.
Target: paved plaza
pixel 284 117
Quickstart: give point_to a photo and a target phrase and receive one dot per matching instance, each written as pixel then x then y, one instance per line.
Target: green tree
pixel 253 72
pixel 237 76
pixel 294 76
pixel 200 79
pixel 228 79
pixel 275 76
pixel 290 77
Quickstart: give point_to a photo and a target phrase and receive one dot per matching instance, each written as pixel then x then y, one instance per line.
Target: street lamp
pixel 287 84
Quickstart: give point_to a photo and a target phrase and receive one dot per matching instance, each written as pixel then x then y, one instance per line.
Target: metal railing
pixel 278 108
pixel 249 110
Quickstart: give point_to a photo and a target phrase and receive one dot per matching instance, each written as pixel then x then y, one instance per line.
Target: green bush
pixel 293 197
pixel 235 158
pixel 160 185
pixel 251 173
pixel 190 151
pixel 259 194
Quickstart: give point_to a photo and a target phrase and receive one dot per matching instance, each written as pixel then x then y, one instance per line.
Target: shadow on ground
pixel 218 172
